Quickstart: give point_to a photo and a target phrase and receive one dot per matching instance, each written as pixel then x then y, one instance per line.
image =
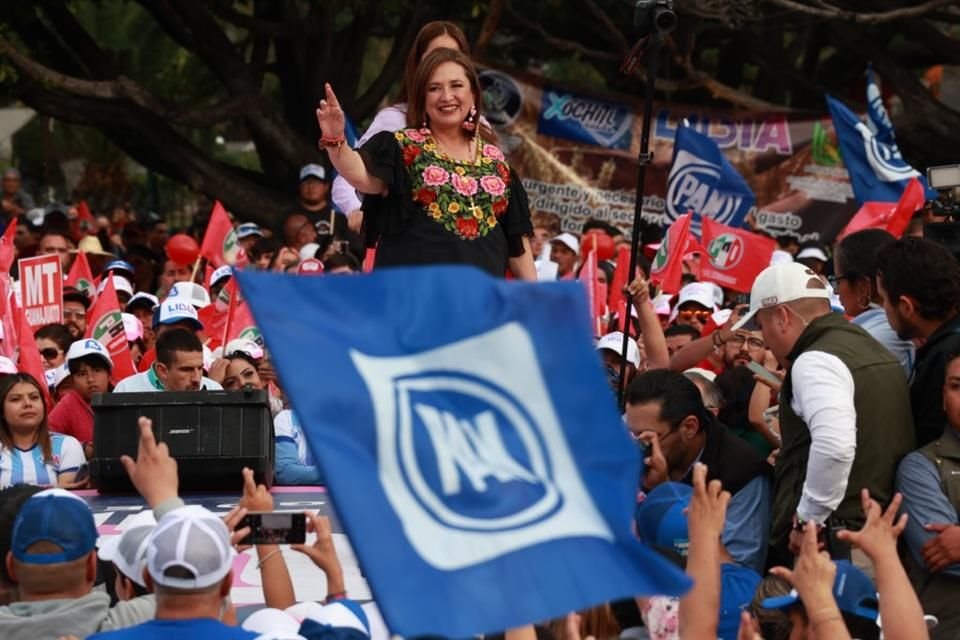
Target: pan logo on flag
pixel 472 469
pixel 884 159
pixel 726 251
pixel 691 188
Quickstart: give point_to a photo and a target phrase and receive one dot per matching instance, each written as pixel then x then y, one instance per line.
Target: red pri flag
pixel 667 267
pixel 596 293
pixel 621 277
pixel 240 322
pixel 84 224
pixel 887 215
pixel 734 257
pixel 105 325
pixel 220 246
pixel 28 360
pixel 81 277
pixel 7 250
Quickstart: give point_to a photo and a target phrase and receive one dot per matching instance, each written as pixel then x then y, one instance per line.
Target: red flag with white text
pixel 734 257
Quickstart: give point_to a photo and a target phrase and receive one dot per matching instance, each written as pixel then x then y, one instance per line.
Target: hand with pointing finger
pixel 330 116
pixel 154 472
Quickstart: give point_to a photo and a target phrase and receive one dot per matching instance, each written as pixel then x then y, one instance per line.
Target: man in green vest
pixel 929 480
pixel 844 407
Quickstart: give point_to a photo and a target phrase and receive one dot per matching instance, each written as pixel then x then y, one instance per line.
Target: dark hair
pixel 262 246
pixel 246 357
pixel 923 270
pixel 43 431
pixel 56 333
pixel 416 109
pixel 857 254
pixel 11 499
pixel 681 330
pixel 92 361
pixel 606 227
pixel 176 340
pixel 427 34
pixel 338 260
pixel 736 385
pixel 676 394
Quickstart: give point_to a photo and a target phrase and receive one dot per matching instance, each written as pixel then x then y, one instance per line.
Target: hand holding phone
pixel 274 527
pixel 766 376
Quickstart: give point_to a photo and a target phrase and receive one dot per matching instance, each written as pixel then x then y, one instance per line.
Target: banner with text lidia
pixel 577 154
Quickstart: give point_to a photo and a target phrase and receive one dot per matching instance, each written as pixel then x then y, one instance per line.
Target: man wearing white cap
pixel 610 347
pixel 90 364
pixel 696 303
pixel 844 410
pixel 189 568
pixel 564 250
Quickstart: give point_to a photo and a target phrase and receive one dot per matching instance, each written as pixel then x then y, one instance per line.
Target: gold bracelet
pixel 267 557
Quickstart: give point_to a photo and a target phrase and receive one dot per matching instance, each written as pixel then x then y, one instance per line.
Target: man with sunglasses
pixel 666 414
pixel 695 305
pixel 844 410
pixel 75 307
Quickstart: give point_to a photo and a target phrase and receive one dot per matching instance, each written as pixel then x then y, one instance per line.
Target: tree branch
pixel 560 43
pixel 366 103
pixel 723 92
pixel 837 13
pixel 619 40
pixel 489 27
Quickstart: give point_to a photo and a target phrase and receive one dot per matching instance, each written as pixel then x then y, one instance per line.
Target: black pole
pixel 645 157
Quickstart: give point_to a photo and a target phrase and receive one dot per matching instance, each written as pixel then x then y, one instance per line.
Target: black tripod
pixel 654 19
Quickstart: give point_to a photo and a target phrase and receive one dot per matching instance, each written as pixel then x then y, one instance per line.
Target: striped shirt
pixel 286 427
pixel 26 466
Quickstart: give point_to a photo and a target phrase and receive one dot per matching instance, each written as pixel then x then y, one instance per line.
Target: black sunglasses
pixel 50 353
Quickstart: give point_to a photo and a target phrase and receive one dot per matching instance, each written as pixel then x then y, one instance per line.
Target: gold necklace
pixel 446 156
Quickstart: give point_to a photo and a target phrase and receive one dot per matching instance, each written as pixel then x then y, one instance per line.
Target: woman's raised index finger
pixel 331 96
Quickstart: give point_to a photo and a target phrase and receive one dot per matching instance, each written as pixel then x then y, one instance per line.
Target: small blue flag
pixel 878 173
pixel 470 440
pixel 703 181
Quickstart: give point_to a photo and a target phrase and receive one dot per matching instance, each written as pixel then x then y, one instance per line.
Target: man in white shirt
pixel 179 366
pixel 844 409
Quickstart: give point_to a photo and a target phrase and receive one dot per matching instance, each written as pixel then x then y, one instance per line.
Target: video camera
pixel 946 180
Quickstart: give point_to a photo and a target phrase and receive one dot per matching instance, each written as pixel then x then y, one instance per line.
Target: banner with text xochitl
pixel 577 155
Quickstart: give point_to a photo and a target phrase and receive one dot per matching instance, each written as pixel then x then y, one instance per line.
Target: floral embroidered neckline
pixel 467 198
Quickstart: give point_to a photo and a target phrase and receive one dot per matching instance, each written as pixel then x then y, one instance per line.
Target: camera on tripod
pixel 654 16
pixel 946 180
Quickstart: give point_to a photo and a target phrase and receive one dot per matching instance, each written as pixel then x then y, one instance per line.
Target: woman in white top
pixel 855 281
pixel 433 35
pixel 29 453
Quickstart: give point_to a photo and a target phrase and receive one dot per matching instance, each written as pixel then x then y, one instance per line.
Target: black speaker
pixel 212 434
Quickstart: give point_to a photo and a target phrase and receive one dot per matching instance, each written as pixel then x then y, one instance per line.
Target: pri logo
pixel 726 251
pixel 502 98
pixel 231 248
pixel 86 287
pixel 108 329
pixel 253 334
pixel 690 187
pixel 660 259
pixel 472 470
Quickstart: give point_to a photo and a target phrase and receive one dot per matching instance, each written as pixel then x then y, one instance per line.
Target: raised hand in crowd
pixel 154 472
pixel 700 607
pixel 657 356
pixel 324 554
pixel 694 352
pixel 274 575
pixel 900 610
pixel 812 576
pixel 655 463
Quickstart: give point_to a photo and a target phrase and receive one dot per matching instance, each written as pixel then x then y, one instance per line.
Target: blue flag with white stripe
pixel 878 173
pixel 703 181
pixel 470 441
pixel 878 120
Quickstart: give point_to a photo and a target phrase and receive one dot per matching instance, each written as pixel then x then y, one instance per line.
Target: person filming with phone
pixel 844 410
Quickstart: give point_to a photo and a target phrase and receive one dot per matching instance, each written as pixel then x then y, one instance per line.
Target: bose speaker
pixel 212 435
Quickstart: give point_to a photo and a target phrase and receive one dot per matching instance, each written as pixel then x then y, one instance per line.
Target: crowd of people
pixel 801 445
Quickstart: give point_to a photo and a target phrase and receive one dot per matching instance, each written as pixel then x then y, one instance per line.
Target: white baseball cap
pixel 7 366
pixel 568 240
pixel 309 250
pixel 173 310
pixel 242 345
pixel 119 284
pixel 613 341
pixel 141 298
pixel 703 293
pixel 194 293
pixel 661 304
pixel 780 256
pixel 780 283
pixel 195 540
pixel 313 171
pixel 128 550
pixel 816 253
pixel 132 327
pixel 56 375
pixel 88 347
pixel 219 274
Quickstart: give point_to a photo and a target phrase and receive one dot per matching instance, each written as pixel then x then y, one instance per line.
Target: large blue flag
pixel 878 173
pixel 703 181
pixel 470 442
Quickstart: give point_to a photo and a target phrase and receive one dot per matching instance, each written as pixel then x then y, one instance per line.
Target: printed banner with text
pixel 577 154
pixel 41 289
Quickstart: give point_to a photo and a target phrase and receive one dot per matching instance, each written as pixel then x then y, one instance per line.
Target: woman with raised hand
pixel 433 35
pixel 440 191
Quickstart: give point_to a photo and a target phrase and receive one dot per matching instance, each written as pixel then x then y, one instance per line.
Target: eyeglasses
pixel 50 353
pixel 702 316
pixel 638 435
pixel 753 344
pixel 835 280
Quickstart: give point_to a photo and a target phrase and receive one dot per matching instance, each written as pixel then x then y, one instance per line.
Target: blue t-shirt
pixel 737 586
pixel 197 628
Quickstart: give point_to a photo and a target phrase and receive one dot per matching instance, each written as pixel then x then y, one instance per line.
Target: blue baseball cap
pixel 118 265
pixel 660 519
pixel 56 516
pixel 853 590
pixel 248 229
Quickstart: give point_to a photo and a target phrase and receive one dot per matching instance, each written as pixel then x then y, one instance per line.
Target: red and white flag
pixel 105 325
pixel 7 250
pixel 81 276
pixel 220 246
pixel 596 293
pixel 892 216
pixel 734 257
pixel 667 267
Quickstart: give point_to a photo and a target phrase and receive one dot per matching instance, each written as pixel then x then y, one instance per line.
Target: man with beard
pixel 734 348
pixel 919 282
pixel 75 307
